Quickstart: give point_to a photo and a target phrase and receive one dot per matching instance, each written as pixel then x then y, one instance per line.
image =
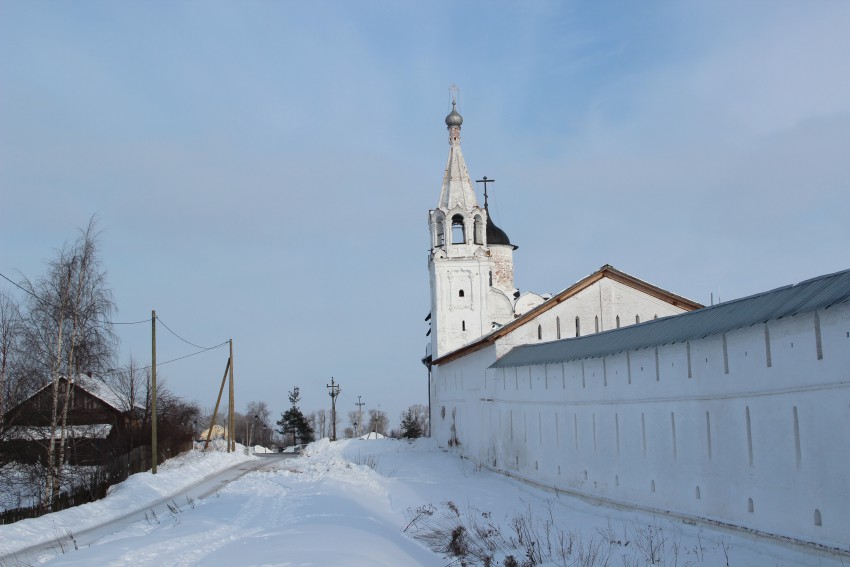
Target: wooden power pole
pixel 232 424
pixel 153 391
pixel 217 402
pixel 333 393
pixel 359 405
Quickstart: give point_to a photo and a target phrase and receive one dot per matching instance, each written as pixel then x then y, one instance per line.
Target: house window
pixel 618 321
pixel 596 323
pixel 539 333
pixel 578 327
pixel 463 325
pixel 460 293
pixel 637 318
pixel 558 327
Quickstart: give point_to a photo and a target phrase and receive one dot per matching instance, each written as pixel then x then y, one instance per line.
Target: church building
pixel 474 301
pixel 621 392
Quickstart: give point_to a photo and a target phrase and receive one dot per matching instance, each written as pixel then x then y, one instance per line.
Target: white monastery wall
pixel 456 391
pixel 749 428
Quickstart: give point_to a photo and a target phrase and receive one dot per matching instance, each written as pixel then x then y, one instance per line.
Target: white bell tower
pixel 461 264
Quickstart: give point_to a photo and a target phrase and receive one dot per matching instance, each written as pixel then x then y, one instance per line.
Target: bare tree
pixel 10 337
pixel 354 420
pixel 68 332
pixel 132 385
pixel 258 415
pixel 378 421
pixel 322 423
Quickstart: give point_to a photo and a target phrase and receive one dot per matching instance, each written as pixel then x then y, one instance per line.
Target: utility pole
pixel 231 448
pixel 217 402
pixel 153 391
pixel 359 405
pixel 333 393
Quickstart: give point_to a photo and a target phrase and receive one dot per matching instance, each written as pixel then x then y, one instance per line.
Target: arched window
pixel 539 333
pixel 479 230
pixel 596 323
pixel 460 293
pixel 637 318
pixel 618 321
pixel 558 327
pixel 458 236
pixel 463 325
pixel 578 327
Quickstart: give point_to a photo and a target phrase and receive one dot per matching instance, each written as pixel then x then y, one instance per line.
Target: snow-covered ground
pixel 371 503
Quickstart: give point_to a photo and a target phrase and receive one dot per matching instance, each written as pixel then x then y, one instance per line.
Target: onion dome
pixel 496 235
pixel 454 118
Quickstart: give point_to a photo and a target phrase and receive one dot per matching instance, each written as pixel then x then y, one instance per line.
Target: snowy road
pixel 98 530
pixel 354 503
pixel 282 513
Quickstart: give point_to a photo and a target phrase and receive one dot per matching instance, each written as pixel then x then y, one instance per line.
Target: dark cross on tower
pixel 485 181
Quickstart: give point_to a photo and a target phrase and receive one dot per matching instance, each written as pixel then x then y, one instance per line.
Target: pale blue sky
pixel 263 170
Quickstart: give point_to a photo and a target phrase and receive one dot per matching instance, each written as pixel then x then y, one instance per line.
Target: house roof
pixel 97 388
pixel 810 295
pixel 606 271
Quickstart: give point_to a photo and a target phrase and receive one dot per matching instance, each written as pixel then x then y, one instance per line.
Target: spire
pixel 457 190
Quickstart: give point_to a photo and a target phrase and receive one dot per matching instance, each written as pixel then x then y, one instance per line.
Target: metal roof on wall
pixel 807 296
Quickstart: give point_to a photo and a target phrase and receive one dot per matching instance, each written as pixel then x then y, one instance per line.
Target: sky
pixel 262 171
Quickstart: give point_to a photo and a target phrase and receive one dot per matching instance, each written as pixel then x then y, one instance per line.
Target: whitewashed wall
pixel 598 307
pixel 750 428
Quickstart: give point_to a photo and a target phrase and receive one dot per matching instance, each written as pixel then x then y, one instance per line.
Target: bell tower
pixel 460 263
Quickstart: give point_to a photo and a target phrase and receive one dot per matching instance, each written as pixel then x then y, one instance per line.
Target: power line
pixel 192 354
pixel 23 289
pixel 158 364
pixel 46 302
pixel 148 320
pixel 158 318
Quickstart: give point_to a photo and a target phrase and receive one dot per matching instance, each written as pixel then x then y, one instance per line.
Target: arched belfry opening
pixel 479 230
pixel 439 229
pixel 458 230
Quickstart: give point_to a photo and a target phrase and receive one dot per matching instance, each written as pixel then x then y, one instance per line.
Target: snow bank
pixel 134 494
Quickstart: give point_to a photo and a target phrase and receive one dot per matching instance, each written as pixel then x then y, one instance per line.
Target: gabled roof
pixel 94 387
pixel 606 271
pixel 804 297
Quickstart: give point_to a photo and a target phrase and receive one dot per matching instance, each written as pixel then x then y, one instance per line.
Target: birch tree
pixel 10 336
pixel 68 332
